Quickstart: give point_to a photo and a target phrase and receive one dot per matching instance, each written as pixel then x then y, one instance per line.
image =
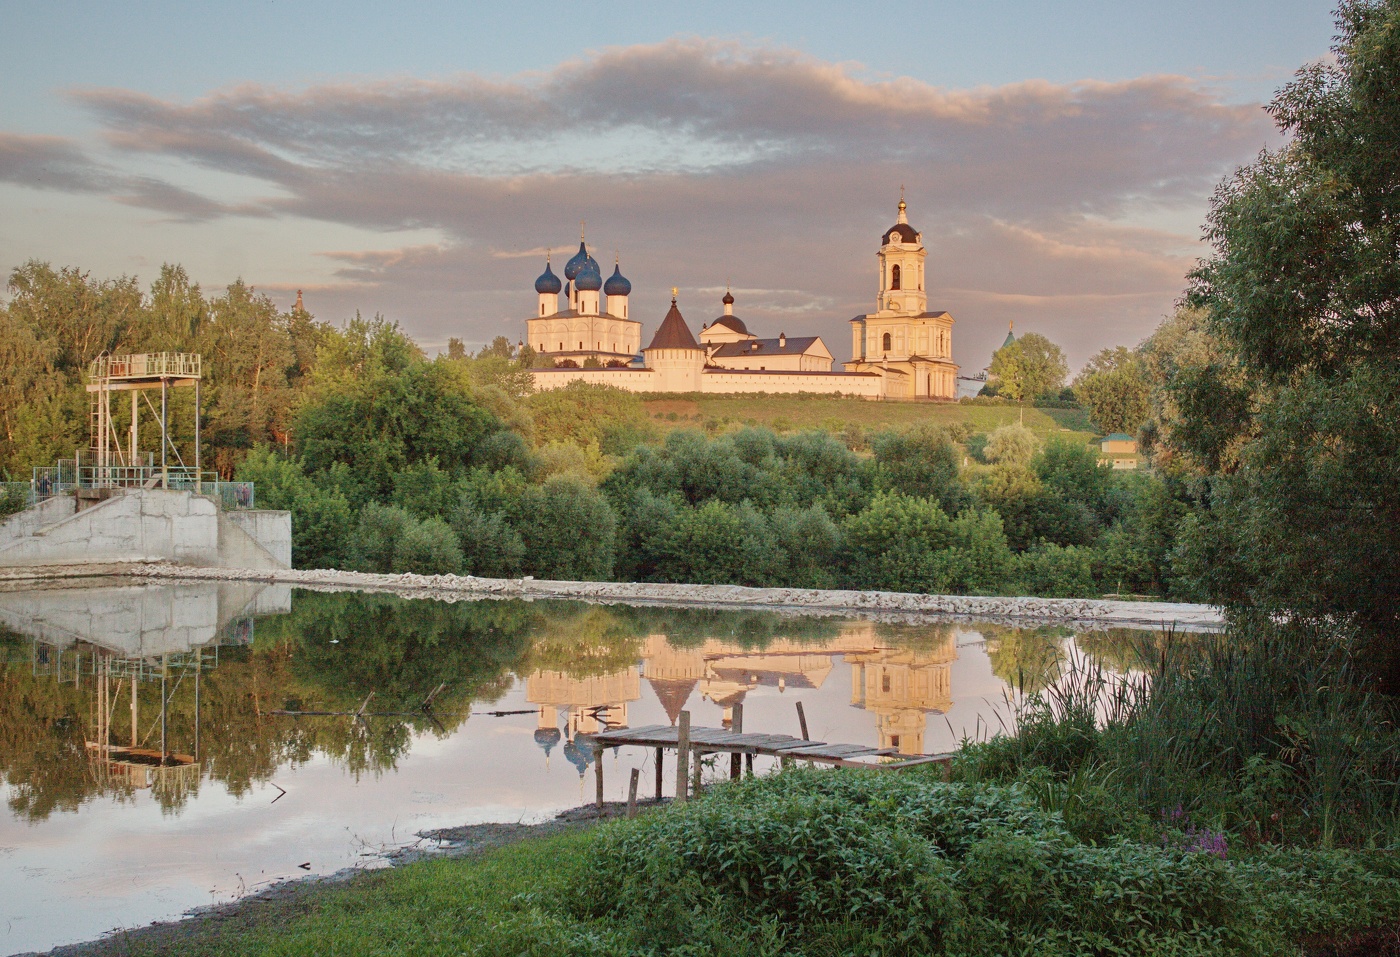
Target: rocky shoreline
pixel 1094 613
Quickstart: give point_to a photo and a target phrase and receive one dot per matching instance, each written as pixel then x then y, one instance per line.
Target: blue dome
pixel 617 284
pixel 572 267
pixel 548 283
pixel 589 277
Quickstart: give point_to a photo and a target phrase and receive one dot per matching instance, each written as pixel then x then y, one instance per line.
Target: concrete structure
pixel 1121 448
pixel 901 350
pixel 145 525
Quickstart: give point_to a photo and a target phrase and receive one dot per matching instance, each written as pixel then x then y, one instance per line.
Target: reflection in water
pixel 125 706
pixel 157 687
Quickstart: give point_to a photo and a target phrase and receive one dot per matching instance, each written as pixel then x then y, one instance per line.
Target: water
pixel 99 832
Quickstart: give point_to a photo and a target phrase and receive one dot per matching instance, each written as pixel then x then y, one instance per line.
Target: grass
pixel 792 412
pixel 819 862
pixel 496 903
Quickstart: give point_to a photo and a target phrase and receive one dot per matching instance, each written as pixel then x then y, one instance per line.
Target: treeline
pixel 400 464
pixel 393 462
pixel 256 360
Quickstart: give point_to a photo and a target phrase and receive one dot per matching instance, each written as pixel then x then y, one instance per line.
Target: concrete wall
pixel 270 530
pixel 146 525
pixel 30 520
pixel 632 380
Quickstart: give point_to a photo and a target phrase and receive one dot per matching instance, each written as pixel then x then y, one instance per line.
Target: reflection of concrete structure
pixel 900 686
pixel 122 635
pixel 138 621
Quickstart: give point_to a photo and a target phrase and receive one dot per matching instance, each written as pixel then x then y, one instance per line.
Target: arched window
pixel 541 308
pixel 888 340
pixel 894 277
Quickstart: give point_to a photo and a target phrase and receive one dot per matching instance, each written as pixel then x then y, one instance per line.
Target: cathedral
pixel 899 351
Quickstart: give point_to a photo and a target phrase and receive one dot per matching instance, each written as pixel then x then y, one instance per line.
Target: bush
pixel 376 537
pixel 427 547
pixel 1055 571
pixel 882 863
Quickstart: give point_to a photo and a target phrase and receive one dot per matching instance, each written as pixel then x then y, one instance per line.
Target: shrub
pixel 827 859
pixel 427 547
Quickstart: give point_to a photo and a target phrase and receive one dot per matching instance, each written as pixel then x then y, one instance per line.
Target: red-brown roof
pixel 673 333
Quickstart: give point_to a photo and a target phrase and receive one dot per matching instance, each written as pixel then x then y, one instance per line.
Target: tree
pixel 1114 387
pixel 922 462
pixel 1304 291
pixel 1029 368
pixel 1012 444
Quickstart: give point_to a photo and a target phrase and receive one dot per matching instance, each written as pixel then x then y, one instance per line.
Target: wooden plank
pixel 830 750
pixel 791 744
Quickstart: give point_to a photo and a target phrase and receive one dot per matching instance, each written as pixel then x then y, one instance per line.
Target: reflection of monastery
pixel 900 687
pixel 901 350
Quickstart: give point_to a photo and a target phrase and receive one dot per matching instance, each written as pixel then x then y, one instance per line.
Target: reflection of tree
pixel 1121 649
pixel 687 627
pixel 42 753
pixel 924 638
pixel 399 649
pixel 1027 659
pixel 582 641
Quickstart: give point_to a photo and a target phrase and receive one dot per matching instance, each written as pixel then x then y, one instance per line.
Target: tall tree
pixel 1114 387
pixel 1304 290
pixel 1030 367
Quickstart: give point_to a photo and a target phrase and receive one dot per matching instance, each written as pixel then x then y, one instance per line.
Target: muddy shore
pixel 285 899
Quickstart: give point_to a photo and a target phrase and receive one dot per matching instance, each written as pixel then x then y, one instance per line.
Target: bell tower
pixel 901 259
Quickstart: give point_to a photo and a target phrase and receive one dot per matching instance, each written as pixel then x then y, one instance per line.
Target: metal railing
pixel 151 365
pixel 69 475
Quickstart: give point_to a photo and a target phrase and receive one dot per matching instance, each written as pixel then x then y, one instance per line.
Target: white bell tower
pixel 901 258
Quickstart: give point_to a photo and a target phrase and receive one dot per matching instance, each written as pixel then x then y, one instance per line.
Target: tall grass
pixel 1267 731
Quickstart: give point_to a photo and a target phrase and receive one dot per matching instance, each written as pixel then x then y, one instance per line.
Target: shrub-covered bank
pixel 819 863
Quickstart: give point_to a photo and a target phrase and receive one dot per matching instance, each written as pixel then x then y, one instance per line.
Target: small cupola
pixel 782 340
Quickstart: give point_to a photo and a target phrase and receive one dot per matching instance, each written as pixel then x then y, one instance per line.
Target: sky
pixel 420 161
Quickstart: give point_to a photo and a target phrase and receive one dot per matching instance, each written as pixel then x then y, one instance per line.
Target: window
pixel 887 342
pixel 541 308
pixel 894 740
pixel 885 683
pixel 894 277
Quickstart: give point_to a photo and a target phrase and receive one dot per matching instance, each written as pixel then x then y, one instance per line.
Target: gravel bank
pixel 1091 612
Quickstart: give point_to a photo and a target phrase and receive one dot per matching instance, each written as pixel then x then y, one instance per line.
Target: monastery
pixel 899 351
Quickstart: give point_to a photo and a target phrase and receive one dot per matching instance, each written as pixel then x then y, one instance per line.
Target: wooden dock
pixel 692 744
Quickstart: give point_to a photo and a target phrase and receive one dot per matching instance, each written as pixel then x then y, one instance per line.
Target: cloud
pixel 702 161
pixel 49 162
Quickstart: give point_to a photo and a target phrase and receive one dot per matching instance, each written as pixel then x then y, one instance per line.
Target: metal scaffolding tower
pixel 113 464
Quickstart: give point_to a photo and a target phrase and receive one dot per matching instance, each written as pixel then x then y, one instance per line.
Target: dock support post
pixel 598 775
pixel 699 769
pixel 632 793
pixel 660 755
pixel 802 721
pixel 736 759
pixel 682 757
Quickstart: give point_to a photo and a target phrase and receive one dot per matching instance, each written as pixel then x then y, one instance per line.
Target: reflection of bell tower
pixel 900 686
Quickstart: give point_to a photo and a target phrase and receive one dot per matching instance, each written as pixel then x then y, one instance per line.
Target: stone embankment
pixel 880 604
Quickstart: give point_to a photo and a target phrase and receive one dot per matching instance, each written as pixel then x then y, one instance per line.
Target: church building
pixel 911 347
pixel 899 351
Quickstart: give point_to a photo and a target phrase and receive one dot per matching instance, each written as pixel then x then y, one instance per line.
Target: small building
pixel 1121 448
